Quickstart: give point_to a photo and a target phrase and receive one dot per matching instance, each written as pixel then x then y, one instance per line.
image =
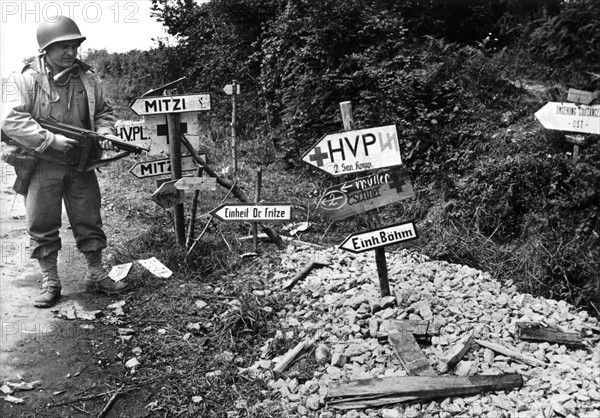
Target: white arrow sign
pixel 241 212
pixel 160 167
pixel 570 117
pixel 356 151
pixel 171 104
pixel 196 183
pixel 228 89
pixel 389 235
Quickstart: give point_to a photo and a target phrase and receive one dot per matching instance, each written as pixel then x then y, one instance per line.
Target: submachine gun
pixel 88 140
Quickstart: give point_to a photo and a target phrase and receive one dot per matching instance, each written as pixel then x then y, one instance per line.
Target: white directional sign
pixel 570 117
pixel 388 235
pixel 196 183
pixel 243 212
pixel 356 151
pixel 171 104
pixel 152 132
pixel 228 89
pixel 160 167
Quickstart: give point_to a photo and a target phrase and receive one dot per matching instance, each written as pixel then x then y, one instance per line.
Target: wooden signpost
pixel 381 237
pixel 152 168
pixel 171 107
pixel 580 117
pixel 196 183
pixel 357 151
pixel 570 117
pixel 233 90
pixel 171 104
pixel 244 212
pixel 366 193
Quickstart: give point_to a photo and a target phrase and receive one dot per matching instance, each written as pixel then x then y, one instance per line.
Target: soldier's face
pixel 61 55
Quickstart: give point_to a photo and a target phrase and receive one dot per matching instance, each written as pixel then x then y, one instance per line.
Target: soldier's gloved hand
pixel 107 145
pixel 62 143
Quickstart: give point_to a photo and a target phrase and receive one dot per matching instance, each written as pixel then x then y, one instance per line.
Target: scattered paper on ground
pixel 119 272
pixel 156 267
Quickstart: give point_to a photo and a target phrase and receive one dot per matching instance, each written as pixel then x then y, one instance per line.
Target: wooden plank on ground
pixel 453 356
pixel 534 331
pixel 410 354
pixel 511 352
pixel 424 386
pixel 422 330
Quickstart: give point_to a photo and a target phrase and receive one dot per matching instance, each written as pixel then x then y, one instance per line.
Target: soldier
pixel 58 85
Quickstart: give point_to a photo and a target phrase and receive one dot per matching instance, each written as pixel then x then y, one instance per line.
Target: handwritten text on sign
pixel 356 151
pixel 250 213
pixel 570 117
pixel 171 104
pixel 366 193
pixel 388 235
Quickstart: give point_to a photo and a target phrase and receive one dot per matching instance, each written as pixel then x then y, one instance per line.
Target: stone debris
pixel 465 324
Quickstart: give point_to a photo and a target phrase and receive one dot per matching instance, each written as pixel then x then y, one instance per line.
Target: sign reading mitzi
pixel 388 235
pixel 242 212
pixel 365 193
pixel 163 166
pixel 356 151
pixel 171 104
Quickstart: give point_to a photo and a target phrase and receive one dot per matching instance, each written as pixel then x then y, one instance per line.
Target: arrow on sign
pixel 171 104
pixel 228 89
pixel 365 241
pixel 241 212
pixel 160 167
pixel 366 193
pixel 356 151
pixel 570 117
pixel 167 196
pixel 197 183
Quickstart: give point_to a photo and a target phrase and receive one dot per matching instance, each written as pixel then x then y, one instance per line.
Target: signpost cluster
pixel 360 151
pixel 577 116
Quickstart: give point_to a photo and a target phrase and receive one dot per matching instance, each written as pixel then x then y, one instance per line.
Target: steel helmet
pixel 57 29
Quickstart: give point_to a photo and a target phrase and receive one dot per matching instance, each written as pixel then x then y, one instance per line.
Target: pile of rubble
pixel 449 341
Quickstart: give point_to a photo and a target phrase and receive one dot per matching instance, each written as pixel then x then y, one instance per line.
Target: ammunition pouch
pixel 23 163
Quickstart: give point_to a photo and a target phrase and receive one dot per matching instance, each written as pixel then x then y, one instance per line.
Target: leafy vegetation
pixel 460 81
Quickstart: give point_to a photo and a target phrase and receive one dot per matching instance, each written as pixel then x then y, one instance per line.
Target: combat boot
pixel 50 282
pixel 97 279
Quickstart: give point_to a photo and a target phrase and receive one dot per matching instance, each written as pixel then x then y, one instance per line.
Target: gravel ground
pixel 343 303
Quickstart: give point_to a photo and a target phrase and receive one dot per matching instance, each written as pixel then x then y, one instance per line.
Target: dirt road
pixel 36 346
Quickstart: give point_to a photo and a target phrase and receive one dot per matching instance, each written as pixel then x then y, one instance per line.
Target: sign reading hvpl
pixel 171 104
pixel 570 117
pixel 388 235
pixel 356 151
pixel 243 212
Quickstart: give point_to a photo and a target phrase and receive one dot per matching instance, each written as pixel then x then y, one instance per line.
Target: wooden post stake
pixel 174 131
pixel 233 126
pixel 192 221
pixel 382 270
pixel 256 200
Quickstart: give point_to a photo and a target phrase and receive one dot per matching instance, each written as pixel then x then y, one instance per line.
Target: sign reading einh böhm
pixel 394 234
pixel 356 151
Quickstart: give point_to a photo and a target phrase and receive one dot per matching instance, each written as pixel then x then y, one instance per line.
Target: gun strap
pixel 100 163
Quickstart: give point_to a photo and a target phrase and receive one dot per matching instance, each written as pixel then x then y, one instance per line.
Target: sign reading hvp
pixel 356 151
pixel 171 104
